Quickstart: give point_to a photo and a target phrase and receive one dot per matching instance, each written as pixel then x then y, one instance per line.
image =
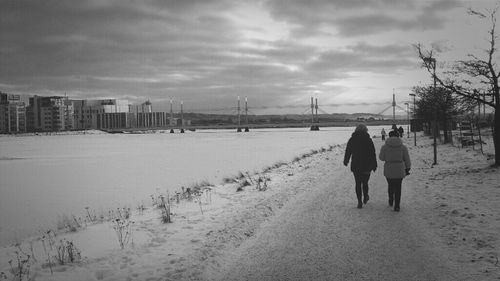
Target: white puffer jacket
pixel 396 157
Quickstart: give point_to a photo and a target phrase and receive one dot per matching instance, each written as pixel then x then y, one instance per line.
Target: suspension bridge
pixel 238 115
pixel 314 109
pixel 143 121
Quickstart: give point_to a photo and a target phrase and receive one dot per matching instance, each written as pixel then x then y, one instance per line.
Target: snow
pixel 46 177
pixel 321 235
pixel 447 228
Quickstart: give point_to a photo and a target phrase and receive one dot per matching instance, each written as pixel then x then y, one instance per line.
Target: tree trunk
pixel 428 128
pixel 445 131
pixel 496 136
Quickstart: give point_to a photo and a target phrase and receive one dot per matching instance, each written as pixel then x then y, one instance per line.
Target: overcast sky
pixel 350 54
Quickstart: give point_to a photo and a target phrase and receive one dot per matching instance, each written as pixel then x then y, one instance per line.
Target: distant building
pixel 147 107
pixel 12 114
pixel 50 114
pixel 112 114
pixel 97 114
pixel 58 113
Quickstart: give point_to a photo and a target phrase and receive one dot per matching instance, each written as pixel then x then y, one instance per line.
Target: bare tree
pixel 474 79
pixel 439 101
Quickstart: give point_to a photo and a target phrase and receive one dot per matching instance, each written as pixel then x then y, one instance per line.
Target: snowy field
pixel 447 229
pixel 44 178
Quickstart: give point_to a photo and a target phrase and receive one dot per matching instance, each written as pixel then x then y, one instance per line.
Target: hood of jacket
pixel 360 135
pixel 394 142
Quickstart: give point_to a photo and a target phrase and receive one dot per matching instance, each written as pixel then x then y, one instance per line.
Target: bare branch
pixel 463 92
pixel 475 13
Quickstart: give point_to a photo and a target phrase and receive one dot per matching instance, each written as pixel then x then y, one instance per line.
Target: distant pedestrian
pixel 364 160
pixel 401 131
pixel 397 165
pixel 383 133
pixel 394 129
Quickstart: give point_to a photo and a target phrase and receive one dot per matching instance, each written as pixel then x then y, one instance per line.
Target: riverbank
pixel 270 125
pixel 457 202
pixel 348 123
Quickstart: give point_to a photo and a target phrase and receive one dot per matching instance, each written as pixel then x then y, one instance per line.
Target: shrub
pixel 242 184
pixel 123 231
pixel 262 183
pixel 48 241
pixel 20 267
pixel 67 252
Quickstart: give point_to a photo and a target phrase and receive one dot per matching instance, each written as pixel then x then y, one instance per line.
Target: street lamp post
pixel 432 61
pixel 407 119
pixel 414 127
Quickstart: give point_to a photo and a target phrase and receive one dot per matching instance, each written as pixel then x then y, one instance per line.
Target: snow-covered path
pixel 321 235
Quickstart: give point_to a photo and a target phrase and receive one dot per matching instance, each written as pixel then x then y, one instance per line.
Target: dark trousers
pixel 394 191
pixel 361 184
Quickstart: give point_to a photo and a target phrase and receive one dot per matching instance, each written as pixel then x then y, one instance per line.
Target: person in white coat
pixel 397 165
pixel 383 133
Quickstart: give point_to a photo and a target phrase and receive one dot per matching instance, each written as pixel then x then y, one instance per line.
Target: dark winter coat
pixel 360 147
pixel 396 157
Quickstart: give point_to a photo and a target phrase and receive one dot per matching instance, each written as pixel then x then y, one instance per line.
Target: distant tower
pixel 393 107
pixel 314 127
pixel 182 117
pixel 171 117
pixel 312 112
pixel 239 118
pixel 316 107
pixel 246 115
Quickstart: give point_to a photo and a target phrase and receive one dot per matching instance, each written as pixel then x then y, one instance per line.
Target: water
pixel 45 177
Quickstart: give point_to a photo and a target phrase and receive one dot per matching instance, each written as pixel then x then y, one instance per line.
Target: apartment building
pixel 50 114
pixel 12 114
pixel 58 113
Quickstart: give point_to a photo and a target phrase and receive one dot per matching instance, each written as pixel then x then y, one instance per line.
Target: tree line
pixel 465 84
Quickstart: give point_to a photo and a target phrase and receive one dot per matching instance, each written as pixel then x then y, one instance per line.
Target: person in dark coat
pixel 361 151
pixel 401 131
pixel 397 165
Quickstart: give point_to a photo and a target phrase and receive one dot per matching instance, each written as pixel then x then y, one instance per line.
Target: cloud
pixel 363 57
pixel 55 39
pixel 273 51
pixel 358 18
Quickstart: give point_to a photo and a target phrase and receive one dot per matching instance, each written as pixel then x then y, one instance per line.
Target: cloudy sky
pixel 350 54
